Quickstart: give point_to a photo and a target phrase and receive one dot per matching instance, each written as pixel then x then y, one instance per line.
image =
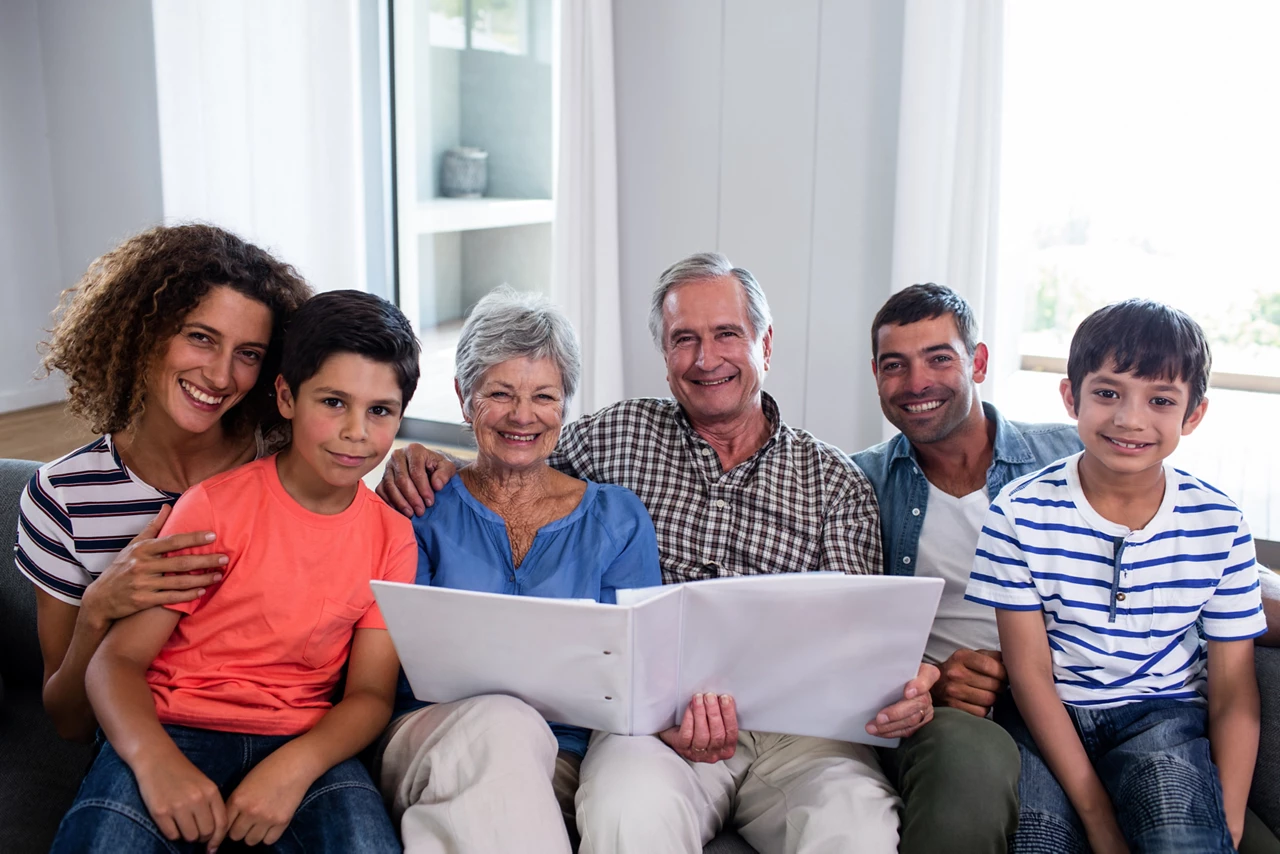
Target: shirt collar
pixel 767 403
pixel 902 449
pixel 1010 446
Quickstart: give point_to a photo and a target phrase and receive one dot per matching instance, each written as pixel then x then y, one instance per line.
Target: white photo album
pixel 803 654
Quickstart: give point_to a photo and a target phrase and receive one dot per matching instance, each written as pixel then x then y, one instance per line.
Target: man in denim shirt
pixel 958 776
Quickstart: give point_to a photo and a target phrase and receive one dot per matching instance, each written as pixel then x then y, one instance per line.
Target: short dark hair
pixel 350 322
pixel 925 302
pixel 1146 338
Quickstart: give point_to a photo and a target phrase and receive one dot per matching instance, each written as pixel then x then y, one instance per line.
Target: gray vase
pixel 464 173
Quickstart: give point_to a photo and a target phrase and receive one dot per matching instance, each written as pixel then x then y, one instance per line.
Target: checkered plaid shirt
pixel 797 505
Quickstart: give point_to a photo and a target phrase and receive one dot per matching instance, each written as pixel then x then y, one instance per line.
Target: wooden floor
pixel 43 433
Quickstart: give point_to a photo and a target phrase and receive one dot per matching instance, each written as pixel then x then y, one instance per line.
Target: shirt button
pixel 1120 596
pixel 719 502
pixel 915 511
pixel 906 559
pixel 511 578
pixel 706 451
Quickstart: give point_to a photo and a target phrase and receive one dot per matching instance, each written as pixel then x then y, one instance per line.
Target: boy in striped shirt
pixel 1125 590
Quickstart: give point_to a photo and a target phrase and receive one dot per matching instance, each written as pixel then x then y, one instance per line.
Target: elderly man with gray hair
pixel 732 491
pixel 488 773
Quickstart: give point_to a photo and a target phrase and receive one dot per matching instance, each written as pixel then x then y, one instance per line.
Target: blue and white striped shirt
pixel 76 514
pixel 1121 607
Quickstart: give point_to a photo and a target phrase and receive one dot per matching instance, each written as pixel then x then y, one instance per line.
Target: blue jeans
pixel 1153 759
pixel 341 812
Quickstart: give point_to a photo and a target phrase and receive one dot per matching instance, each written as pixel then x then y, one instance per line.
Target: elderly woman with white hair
pixel 488 773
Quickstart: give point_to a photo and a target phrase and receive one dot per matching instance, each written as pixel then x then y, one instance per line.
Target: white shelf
pixel 437 216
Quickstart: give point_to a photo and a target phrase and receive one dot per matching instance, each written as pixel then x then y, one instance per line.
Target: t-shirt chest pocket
pixel 1138 601
pixel 1177 607
pixel 1163 601
pixel 332 633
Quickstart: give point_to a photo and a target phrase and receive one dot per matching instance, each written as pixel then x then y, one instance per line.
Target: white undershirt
pixel 947 541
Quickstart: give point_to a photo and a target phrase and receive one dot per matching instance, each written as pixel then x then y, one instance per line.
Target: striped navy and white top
pixel 76 513
pixel 1121 607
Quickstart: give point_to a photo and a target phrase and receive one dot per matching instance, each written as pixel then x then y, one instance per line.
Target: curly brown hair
pixel 132 300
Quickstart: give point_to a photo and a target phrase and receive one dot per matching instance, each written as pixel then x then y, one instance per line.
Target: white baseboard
pixel 37 394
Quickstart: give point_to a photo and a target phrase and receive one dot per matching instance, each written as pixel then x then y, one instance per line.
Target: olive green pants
pixel 958 778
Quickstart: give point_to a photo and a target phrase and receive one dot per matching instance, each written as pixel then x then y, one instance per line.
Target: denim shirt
pixel 903 490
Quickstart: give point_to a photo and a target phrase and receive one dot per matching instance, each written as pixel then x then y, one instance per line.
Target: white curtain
pixel 261 127
pixel 584 277
pixel 948 193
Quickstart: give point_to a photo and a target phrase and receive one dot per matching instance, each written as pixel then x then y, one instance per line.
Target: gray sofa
pixel 39 772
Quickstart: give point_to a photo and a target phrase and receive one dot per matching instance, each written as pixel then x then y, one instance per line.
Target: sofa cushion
pixel 20 662
pixel 39 774
pixel 1264 797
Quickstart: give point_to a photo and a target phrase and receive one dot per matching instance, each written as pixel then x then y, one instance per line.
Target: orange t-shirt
pixel 261 651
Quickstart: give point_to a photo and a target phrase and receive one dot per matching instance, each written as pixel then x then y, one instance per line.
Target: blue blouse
pixel 605 543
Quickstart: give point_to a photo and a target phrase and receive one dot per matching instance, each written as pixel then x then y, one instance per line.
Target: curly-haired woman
pixel 169 345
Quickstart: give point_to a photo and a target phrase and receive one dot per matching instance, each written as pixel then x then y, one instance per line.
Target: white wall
pixel 271 120
pixel 79 160
pixel 767 131
pixel 30 278
pixel 104 142
pixel 262 126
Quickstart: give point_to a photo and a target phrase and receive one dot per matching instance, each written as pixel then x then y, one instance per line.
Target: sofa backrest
pixel 19 647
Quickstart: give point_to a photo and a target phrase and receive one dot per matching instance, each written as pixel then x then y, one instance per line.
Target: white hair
pixel 709 265
pixel 507 324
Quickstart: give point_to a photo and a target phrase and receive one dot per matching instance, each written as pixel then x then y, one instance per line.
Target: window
pixel 473 95
pixel 500 25
pixel 448 24
pixel 504 26
pixel 1139 158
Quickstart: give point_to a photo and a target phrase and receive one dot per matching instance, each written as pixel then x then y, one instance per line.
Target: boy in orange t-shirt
pixel 218 712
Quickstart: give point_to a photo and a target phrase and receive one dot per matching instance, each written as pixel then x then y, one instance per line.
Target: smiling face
pixel 344 419
pixel 1130 424
pixel 517 410
pixel 927 381
pixel 716 364
pixel 212 361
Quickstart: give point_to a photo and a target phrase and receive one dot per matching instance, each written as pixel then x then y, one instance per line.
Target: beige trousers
pixel 478 776
pixel 785 794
